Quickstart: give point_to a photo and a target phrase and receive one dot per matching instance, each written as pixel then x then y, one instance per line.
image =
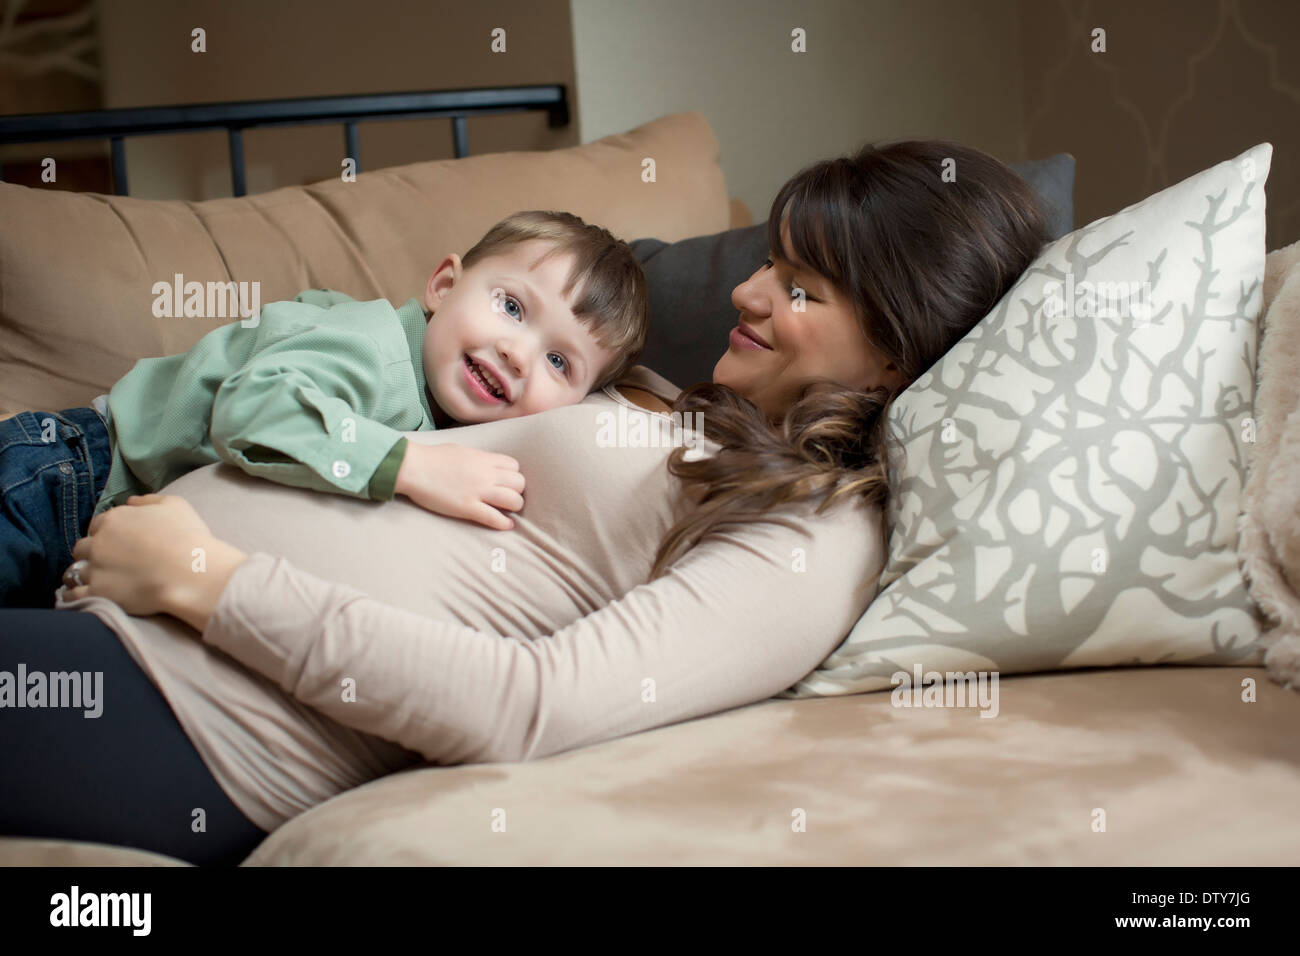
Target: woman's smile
pixel 742 337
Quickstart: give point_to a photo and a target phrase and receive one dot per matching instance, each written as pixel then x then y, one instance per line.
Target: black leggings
pixel 128 777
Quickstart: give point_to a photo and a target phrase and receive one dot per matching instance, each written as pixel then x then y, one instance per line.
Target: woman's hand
pixel 153 555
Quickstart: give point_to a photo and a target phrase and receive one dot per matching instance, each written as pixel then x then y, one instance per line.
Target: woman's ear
pixel 443 279
pixel 896 380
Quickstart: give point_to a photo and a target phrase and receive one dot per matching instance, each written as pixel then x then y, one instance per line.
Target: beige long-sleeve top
pixel 364 637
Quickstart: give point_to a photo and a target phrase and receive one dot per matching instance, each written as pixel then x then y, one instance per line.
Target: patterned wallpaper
pixel 1182 85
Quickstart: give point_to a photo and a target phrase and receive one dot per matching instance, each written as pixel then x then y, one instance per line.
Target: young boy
pixel 317 392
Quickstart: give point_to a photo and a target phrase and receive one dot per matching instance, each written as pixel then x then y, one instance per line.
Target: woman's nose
pixel 750 297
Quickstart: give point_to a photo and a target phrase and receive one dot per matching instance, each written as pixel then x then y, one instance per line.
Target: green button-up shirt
pixel 315 395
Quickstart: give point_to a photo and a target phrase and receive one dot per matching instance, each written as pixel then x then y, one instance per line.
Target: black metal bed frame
pixel 116 124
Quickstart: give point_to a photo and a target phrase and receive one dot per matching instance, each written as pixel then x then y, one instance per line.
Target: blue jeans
pixel 53 468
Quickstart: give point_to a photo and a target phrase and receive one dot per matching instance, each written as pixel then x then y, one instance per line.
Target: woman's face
pixel 817 339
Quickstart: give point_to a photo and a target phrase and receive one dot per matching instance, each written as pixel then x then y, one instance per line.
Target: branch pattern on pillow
pixel 1069 483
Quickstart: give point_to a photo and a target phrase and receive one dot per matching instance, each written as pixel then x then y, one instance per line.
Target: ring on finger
pixel 74 572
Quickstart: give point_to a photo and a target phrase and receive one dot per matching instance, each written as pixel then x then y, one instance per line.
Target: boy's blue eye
pixel 565 368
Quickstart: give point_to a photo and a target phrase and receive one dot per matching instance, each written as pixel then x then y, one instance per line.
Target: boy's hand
pixel 462 482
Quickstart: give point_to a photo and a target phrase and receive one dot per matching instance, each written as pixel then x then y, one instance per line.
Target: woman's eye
pixel 792 290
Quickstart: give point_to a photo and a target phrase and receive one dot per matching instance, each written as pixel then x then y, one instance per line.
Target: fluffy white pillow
pixel 1074 466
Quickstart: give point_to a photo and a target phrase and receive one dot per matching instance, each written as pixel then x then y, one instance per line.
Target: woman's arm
pixel 740 617
pixel 194 598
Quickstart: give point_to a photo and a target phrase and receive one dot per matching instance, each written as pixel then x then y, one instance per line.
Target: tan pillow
pixel 77 270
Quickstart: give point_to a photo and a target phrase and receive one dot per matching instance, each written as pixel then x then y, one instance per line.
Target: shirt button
pixel 342 469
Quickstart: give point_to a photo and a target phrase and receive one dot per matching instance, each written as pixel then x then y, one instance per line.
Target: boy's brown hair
pixel 613 303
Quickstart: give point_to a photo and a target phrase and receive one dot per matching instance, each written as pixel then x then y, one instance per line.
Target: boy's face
pixel 506 314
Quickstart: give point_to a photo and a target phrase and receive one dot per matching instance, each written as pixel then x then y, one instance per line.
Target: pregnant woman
pixel 251 649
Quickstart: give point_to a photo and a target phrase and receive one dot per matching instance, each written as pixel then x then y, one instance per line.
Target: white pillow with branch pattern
pixel 1072 474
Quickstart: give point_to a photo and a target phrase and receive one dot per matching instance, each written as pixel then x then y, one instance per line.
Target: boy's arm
pixel 291 414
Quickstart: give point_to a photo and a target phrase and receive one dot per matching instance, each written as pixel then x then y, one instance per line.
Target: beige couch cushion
pixel 1270 523
pixel 1185 770
pixel 22 851
pixel 77 270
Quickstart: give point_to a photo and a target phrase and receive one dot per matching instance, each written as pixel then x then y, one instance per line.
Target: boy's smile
pixel 503 341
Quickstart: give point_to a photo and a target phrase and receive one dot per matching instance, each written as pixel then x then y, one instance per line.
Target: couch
pixel 1192 765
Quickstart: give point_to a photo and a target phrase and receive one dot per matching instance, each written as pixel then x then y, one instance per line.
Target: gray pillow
pixel 690 281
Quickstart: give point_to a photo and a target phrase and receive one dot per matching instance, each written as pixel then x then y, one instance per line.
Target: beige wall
pixel 1183 84
pixel 259 49
pixel 874 69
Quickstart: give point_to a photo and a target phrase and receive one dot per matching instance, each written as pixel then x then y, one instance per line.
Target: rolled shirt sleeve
pixel 383 484
pixel 295 413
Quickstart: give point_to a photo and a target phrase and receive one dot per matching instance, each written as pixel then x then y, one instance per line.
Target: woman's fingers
pixel 76 576
pixel 81 550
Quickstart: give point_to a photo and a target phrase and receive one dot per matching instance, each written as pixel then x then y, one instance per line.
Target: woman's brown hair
pixel 923 260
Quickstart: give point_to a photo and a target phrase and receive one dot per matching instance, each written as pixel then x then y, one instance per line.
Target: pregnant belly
pixel 592 519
